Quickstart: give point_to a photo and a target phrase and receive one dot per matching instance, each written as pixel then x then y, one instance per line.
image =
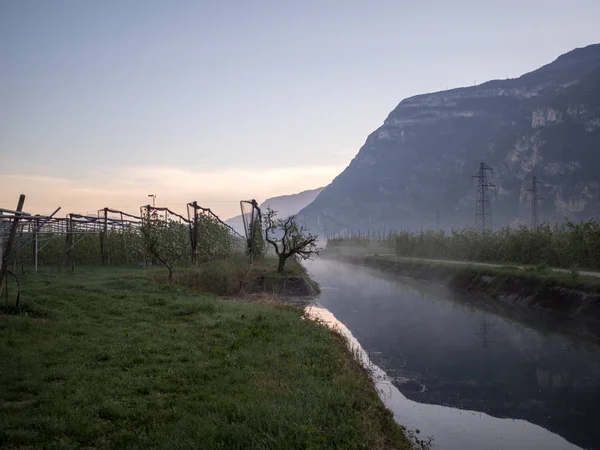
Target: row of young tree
pixel 171 242
pixel 156 239
pixel 164 240
pixel 120 246
pixel 568 245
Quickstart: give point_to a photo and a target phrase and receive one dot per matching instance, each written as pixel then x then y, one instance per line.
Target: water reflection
pixel 443 349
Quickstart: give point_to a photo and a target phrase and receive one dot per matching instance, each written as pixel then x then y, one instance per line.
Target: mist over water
pixel 443 348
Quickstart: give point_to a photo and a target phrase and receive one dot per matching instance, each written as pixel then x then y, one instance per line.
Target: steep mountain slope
pixel 415 170
pixel 285 205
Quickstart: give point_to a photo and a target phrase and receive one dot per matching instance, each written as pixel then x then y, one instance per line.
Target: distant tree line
pixel 567 245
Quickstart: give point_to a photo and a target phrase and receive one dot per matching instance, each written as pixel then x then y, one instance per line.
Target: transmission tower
pixel 484 332
pixel 483 207
pixel 534 201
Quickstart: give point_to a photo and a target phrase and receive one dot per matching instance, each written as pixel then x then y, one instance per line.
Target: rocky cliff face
pixel 415 170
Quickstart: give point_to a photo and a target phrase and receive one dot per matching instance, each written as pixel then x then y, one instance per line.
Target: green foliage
pixel 127 244
pixel 258 241
pixel 121 245
pixel 215 240
pixel 165 240
pixel 562 245
pixel 108 358
pixel 234 276
pixel 222 277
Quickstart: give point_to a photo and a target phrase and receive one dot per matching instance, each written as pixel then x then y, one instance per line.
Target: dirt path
pixel 481 264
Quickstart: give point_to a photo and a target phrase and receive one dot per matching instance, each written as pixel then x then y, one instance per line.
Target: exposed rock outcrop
pixel 416 168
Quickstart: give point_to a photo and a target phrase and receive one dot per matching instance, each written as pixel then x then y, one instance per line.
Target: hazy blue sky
pixel 102 102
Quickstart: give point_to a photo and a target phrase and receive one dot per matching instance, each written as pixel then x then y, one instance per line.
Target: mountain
pixel 285 205
pixel 416 169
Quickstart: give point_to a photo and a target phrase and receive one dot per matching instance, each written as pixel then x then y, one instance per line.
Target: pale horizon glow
pixel 105 102
pixel 128 189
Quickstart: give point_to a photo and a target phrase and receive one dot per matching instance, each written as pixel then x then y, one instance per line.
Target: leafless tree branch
pixel 293 240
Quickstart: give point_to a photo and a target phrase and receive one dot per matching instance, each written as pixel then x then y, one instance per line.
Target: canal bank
pixel 573 297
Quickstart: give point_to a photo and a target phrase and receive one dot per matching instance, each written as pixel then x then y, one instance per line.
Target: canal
pixel 470 372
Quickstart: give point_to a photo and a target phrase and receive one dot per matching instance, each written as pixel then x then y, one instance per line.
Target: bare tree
pixel 288 239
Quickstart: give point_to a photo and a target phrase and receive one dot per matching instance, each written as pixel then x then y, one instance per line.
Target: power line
pixel 483 206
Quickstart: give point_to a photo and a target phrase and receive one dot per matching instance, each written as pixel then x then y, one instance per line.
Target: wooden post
pixel 106 252
pixel 69 242
pixel 124 239
pixel 11 238
pixel 103 232
pixel 195 234
pixel 32 228
pixel 101 236
pixel 36 245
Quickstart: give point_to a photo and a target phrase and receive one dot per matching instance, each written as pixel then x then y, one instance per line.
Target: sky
pixel 103 102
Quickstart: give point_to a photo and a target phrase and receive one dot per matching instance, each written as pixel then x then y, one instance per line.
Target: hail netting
pixel 113 237
pixel 210 237
pixel 252 219
pixel 110 236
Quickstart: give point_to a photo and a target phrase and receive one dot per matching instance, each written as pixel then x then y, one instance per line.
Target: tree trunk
pixel 281 265
pixel 170 275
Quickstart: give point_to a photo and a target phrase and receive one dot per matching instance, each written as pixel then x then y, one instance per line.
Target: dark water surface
pixel 486 362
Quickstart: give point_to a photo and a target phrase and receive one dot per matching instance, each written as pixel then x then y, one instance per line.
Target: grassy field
pixel 111 358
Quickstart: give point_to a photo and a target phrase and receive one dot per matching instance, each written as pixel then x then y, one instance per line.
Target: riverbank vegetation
pixel 492 279
pixel 111 357
pixel 567 245
pixel 235 276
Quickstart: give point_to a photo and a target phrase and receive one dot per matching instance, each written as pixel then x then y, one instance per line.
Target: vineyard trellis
pixel 211 237
pixel 111 236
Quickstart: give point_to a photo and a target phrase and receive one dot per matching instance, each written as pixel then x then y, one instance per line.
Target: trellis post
pixel 9 243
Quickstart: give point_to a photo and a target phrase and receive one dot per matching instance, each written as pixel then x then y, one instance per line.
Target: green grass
pixel 539 276
pixel 109 358
pixel 232 276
